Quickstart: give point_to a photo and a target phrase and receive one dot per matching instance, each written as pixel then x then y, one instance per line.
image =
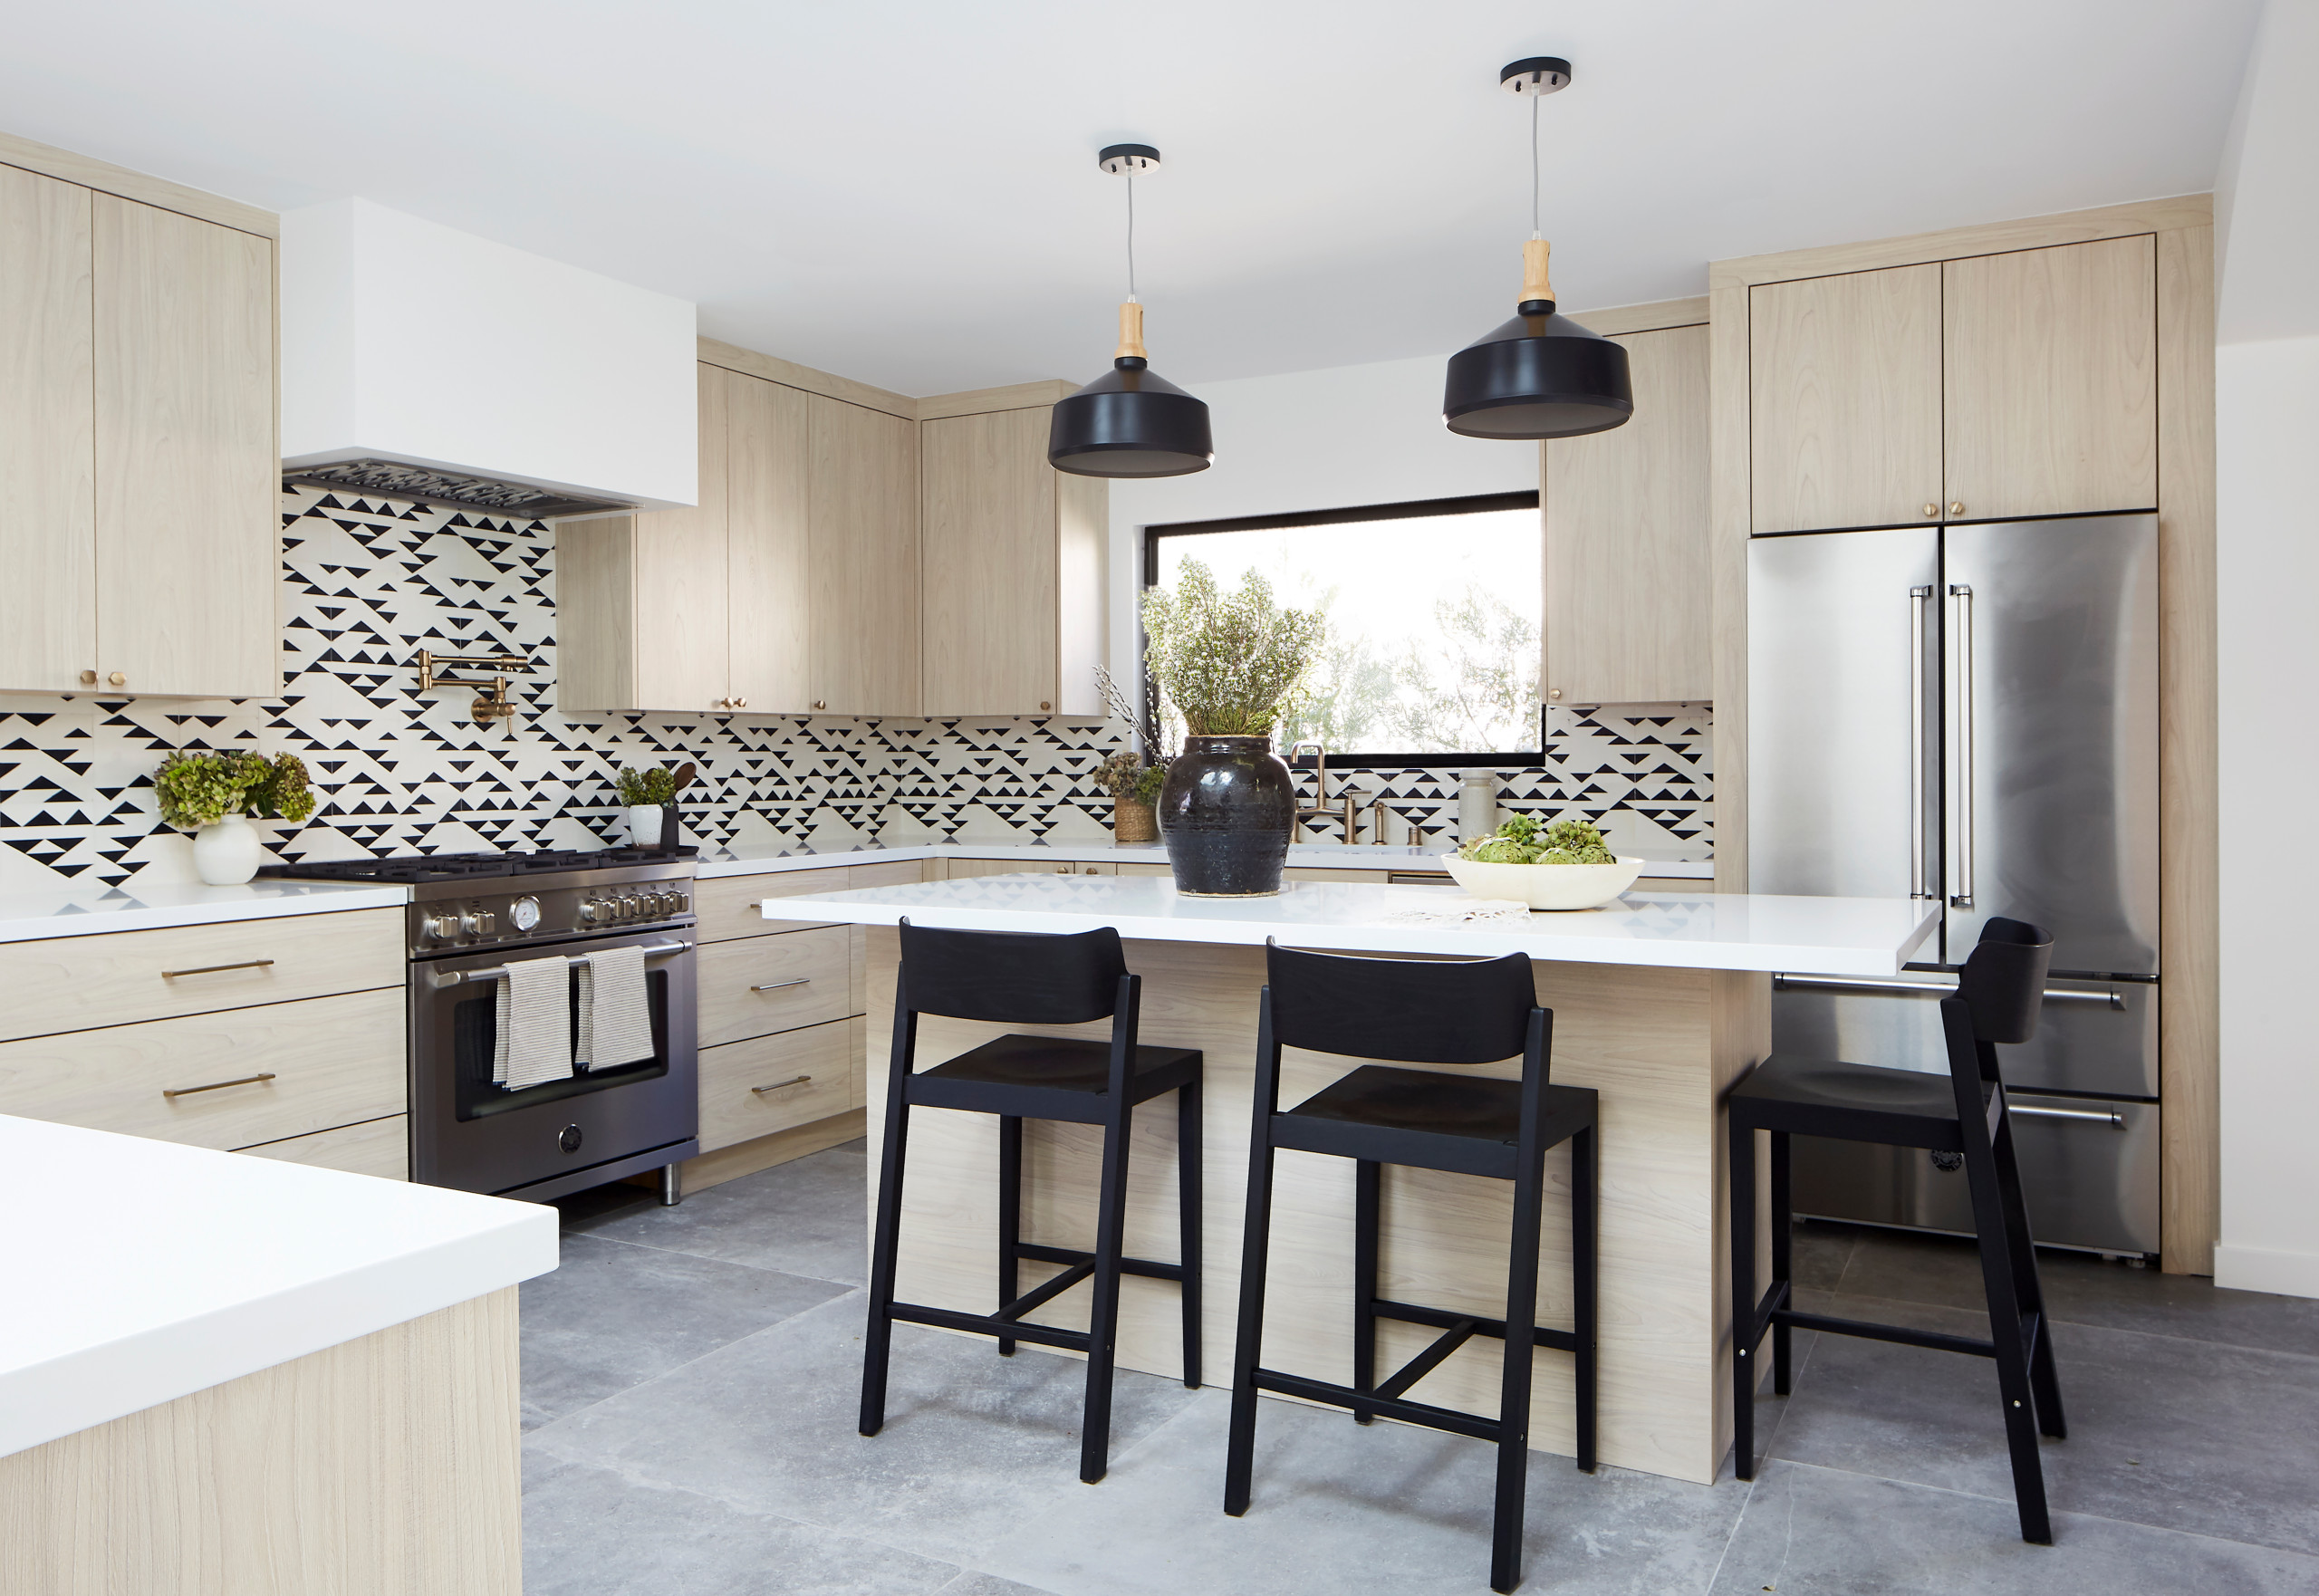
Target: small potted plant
pixel 1134 787
pixel 644 793
pixel 216 795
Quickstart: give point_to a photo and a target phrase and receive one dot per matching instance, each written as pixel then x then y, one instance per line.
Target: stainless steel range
pixel 470 915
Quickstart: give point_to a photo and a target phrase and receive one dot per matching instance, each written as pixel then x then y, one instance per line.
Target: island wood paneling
pixel 864 562
pixel 381 1466
pixel 1660 1045
pixel 48 485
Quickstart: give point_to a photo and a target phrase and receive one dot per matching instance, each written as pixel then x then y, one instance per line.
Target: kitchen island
pixel 1661 1002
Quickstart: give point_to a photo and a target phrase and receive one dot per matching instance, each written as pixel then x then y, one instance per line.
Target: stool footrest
pixel 1400 1407
pixel 1900 1333
pixel 1047 1290
pixel 1561 1341
pixel 1431 1358
pixel 1148 1268
pixel 1044 1335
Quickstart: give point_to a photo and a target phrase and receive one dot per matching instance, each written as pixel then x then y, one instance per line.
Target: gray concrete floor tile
pixel 1337 1507
pixel 610 1316
pixel 587 1532
pixel 2211 1440
pixel 975 1585
pixel 1821 1252
pixel 973 1442
pixel 807 1217
pixel 2083 1290
pixel 1816 1532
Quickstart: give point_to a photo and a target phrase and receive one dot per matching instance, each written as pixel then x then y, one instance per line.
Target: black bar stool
pixel 1420 1011
pixel 1964 1113
pixel 1022 978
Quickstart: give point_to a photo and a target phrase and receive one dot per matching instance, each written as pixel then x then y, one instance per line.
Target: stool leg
pixel 1103 1323
pixel 1746 1334
pixel 1010 1216
pixel 884 1250
pixel 1247 1352
pixel 1585 1175
pixel 1783 1217
pixel 1521 1349
pixel 2028 1287
pixel 2013 1385
pixel 1189 1212
pixel 1367 1180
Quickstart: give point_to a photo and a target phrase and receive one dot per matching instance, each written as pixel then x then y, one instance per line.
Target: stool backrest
pixel 2004 980
pixel 1011 977
pixel 1409 1011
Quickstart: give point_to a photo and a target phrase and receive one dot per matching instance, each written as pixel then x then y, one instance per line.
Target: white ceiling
pixel 905 191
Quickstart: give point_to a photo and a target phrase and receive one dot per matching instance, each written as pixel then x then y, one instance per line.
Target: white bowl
pixel 1546 886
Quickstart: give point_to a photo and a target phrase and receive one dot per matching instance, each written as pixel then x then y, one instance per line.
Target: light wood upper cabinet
pixel 769 456
pixel 1846 415
pixel 1012 563
pixel 1628 596
pixel 48 482
pixel 862 544
pixel 2051 380
pixel 682 652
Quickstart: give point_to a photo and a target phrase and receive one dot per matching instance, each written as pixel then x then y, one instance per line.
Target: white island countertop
pixel 754 859
pixel 144 1271
pixel 82 911
pixel 1706 931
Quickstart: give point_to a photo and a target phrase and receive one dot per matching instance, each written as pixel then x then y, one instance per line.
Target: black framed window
pixel 1434 621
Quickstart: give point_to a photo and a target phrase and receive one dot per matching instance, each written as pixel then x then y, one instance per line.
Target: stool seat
pixel 1064 1064
pixel 1394 1115
pixel 1807 1096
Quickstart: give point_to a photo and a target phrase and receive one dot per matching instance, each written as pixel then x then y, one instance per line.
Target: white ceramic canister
pixel 1476 804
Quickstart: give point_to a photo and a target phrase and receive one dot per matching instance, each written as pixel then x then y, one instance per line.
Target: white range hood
pixel 470 372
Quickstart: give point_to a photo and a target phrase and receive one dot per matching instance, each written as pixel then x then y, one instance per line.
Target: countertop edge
pixel 99 920
pixel 1097 853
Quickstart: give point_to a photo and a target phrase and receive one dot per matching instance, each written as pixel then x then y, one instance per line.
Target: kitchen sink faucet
pixel 1347 813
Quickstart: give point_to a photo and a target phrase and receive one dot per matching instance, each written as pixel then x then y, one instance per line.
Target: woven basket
pixel 1134 822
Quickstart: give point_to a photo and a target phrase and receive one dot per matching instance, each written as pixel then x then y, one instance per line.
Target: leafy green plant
pixel 198 788
pixel 1125 775
pixel 1523 841
pixel 653 785
pixel 1232 664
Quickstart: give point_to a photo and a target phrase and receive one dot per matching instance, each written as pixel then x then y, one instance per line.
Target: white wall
pixel 1311 440
pixel 2267 425
pixel 416 343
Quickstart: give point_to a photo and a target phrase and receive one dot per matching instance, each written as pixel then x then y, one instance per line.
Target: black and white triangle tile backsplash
pixel 370 582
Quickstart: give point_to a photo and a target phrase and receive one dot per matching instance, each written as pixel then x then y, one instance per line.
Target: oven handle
pixel 443 978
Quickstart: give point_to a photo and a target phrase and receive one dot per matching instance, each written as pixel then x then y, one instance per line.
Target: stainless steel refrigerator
pixel 1967 715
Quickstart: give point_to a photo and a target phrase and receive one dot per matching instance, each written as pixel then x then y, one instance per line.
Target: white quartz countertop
pixel 85 912
pixel 1706 931
pixel 757 860
pixel 136 1272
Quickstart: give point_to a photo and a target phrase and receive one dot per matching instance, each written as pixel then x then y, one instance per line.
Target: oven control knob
pixel 568 1138
pixel 440 927
pixel 630 906
pixel 486 922
pixel 471 922
pixel 675 903
pixel 591 911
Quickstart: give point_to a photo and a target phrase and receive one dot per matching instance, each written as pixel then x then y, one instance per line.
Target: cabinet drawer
pixel 966 869
pixel 898 873
pixel 376 1146
pixel 330 1062
pixel 728 904
pixel 734 1108
pixel 810 974
pixel 68 983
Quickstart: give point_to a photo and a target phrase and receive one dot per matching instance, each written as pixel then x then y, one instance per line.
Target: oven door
pixel 474 1136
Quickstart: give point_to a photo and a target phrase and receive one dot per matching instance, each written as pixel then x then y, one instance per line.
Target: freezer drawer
pixel 2088 1177
pixel 2092 1036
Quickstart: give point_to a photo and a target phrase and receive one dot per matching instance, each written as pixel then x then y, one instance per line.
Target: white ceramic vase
pixel 227 854
pixel 644 826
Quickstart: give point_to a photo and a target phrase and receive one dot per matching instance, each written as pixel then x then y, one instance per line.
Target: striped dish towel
pixel 534 1023
pixel 615 1025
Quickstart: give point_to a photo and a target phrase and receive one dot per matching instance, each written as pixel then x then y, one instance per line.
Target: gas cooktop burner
pixel 413 869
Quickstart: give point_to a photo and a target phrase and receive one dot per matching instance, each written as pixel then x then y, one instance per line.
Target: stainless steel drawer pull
pixel 2110 998
pixel 783 1085
pixel 217 1085
pixel 247 963
pixel 778 985
pixel 2109 1117
pixel 1417 878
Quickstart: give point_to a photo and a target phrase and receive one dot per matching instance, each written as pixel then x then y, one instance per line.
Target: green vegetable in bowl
pixel 1523 841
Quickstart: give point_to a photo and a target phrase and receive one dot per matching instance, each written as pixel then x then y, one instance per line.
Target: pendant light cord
pixel 1534 175
pixel 1130 233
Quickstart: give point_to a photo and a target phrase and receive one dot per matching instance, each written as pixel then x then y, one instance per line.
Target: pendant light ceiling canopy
pixel 1131 421
pixel 1540 375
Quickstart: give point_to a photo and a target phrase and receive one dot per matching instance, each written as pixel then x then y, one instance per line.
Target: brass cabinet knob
pixel 1045 705
pixel 820 703
pixel 87 678
pixel 117 679
pixel 1955 506
pixel 1932 512
pixel 1553 692
pixel 740 702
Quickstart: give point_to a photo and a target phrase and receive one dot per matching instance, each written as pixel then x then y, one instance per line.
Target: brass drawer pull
pixel 262 1075
pixel 778 985
pixel 781 1085
pixel 247 963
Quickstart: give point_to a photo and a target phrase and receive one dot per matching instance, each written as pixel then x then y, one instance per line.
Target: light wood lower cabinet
pixel 226 1080
pixel 768 1083
pixel 755 985
pixel 728 906
pixel 967 869
pixel 66 983
pixel 376 1146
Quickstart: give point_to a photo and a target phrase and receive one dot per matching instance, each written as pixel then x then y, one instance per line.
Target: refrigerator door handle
pixel 1919 882
pixel 2110 998
pixel 1963 593
pixel 2109 1117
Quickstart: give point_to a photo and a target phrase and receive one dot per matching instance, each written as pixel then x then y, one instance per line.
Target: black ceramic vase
pixel 1226 814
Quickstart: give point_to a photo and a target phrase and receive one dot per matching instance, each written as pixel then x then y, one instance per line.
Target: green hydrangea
pixel 1502 851
pixel 198 788
pixel 283 793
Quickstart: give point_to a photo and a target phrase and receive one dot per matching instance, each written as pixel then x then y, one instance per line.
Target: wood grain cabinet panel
pixel 1012 557
pixel 48 484
pixel 728 906
pixel 755 985
pixel 1628 599
pixel 768 453
pixel 682 644
pixel 862 554
pixel 1845 404
pixel 2050 361
pixel 64 983
pixel 227 1080
pixel 768 1083
pixel 376 1146
pixel 189 477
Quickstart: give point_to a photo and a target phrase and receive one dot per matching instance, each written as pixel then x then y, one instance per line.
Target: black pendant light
pixel 1131 421
pixel 1540 375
